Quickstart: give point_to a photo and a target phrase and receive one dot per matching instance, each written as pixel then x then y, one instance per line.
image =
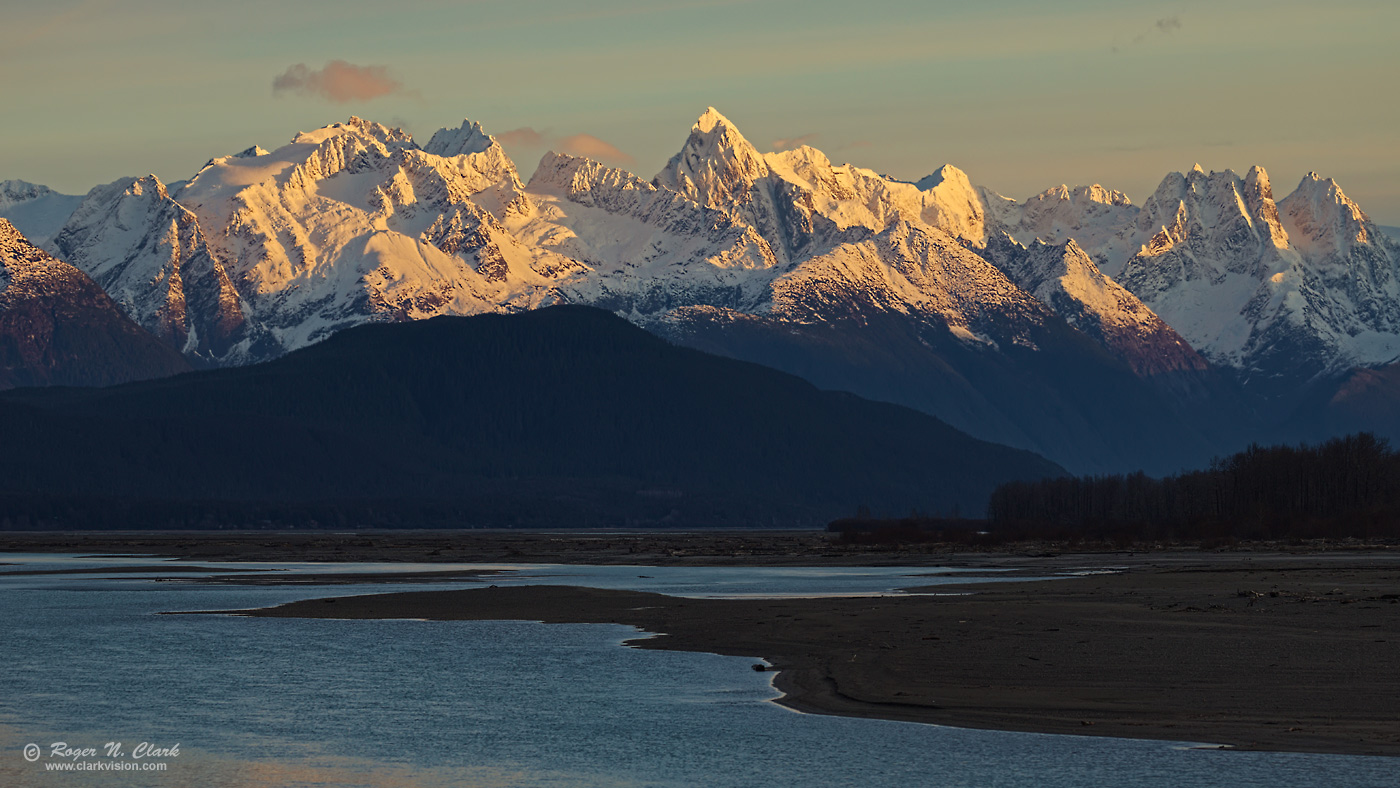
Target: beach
pixel 1260 652
pixel 1271 647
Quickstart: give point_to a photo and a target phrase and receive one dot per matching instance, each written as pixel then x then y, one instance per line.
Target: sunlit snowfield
pixel 283 702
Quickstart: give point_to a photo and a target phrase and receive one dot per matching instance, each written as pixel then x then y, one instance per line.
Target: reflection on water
pixel 311 768
pixel 412 703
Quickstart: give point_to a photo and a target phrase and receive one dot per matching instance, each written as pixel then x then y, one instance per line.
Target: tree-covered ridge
pixel 557 417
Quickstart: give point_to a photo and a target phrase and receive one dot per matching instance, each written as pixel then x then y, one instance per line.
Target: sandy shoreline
pixel 1288 653
pixel 1278 647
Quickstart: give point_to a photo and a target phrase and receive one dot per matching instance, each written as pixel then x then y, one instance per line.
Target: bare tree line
pixel 1344 487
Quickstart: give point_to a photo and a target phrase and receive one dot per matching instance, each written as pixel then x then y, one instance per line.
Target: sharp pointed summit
pixel 716 166
pixel 149 253
pixel 710 119
pixel 953 204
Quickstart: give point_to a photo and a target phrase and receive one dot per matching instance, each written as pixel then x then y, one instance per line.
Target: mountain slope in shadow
pixel 561 416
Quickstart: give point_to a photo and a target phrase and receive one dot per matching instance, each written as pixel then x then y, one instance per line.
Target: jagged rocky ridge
pixel 1285 293
pixel 1101 334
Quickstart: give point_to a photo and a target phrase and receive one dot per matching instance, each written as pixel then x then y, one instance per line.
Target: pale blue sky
pixel 1021 95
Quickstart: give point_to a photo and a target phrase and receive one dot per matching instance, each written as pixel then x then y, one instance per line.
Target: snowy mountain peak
pixel 124 202
pixel 710 120
pixel 1325 222
pixel 1082 197
pixel 569 174
pixel 717 166
pixel 148 252
pixel 354 126
pixel 1258 196
pixel 1220 223
pixel 149 182
pixel 1099 194
pixel 15 191
pixel 1258 179
pixel 1063 277
pixel 1207 198
pixel 469 138
pixel 38 211
pixel 481 164
pixel 1301 287
pixel 637 235
pixel 247 153
pixel 803 157
pixel 946 173
pixel 1318 189
pixel 953 205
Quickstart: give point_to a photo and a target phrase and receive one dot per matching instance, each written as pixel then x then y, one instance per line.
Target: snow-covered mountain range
pixel 1283 292
pixel 1074 323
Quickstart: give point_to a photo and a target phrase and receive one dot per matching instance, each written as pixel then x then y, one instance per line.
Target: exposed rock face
pixel 1285 292
pixel 57 326
pixel 1064 278
pixel 148 252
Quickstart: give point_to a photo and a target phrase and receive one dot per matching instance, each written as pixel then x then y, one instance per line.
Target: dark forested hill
pixel 563 416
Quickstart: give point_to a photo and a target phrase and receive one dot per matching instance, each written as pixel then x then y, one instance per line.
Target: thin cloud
pixel 594 148
pixel 585 145
pixel 338 81
pixel 524 137
pixel 790 143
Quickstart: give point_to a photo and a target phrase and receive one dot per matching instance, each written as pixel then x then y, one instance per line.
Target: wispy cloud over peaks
pixel 585 145
pixel 524 137
pixel 338 81
pixel 790 143
pixel 594 148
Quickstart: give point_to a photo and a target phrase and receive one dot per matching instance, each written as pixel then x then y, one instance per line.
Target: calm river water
pixel 280 702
